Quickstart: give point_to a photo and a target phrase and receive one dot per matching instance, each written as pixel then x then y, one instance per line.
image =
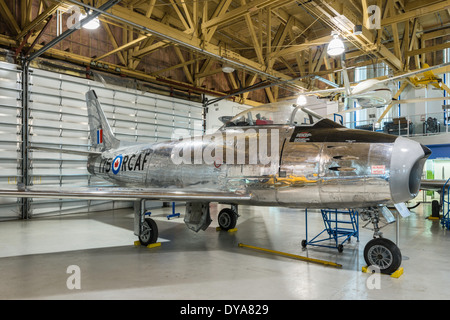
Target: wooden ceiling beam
pixel 366 40
pixel 416 13
pixel 437 47
pixel 241 11
pixel 187 73
pixel 252 32
pixel 195 43
pixel 38 20
pixel 9 18
pixel 219 12
pixel 114 43
pixel 126 46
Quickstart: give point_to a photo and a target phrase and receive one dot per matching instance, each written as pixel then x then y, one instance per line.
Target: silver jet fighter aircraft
pixel 273 155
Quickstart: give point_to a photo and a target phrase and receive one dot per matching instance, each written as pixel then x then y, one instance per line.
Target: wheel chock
pixel 151 245
pixel 230 230
pixel 396 274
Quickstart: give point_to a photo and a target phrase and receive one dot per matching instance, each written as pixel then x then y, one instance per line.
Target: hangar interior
pixel 159 68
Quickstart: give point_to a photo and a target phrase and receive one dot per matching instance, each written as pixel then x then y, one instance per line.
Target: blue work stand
pixel 172 215
pixel 445 221
pixel 339 227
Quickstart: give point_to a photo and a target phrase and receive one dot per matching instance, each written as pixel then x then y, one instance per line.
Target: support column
pixel 26 214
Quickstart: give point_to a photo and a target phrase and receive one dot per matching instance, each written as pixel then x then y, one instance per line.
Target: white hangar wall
pixel 221 108
pixel 58 119
pixel 10 134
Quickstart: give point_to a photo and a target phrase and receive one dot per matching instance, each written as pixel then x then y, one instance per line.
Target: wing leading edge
pixel 117 193
pixel 427 184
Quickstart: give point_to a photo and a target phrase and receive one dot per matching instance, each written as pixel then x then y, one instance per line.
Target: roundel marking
pixel 117 163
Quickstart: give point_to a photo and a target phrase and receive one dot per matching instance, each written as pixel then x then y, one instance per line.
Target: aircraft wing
pixel 324 91
pixel 412 73
pixel 427 184
pixel 118 193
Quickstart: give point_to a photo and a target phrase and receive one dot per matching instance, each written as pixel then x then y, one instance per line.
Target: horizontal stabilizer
pixel 77 152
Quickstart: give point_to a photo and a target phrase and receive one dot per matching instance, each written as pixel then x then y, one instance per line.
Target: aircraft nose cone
pixel 408 159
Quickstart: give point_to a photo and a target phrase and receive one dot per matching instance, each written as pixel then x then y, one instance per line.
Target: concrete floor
pixel 36 254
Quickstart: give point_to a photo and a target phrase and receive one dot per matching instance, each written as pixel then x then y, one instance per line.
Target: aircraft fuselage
pixel 315 166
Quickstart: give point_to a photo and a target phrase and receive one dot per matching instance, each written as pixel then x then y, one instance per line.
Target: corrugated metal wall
pixel 58 119
pixel 10 135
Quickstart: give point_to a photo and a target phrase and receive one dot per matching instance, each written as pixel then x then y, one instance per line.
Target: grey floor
pixel 35 256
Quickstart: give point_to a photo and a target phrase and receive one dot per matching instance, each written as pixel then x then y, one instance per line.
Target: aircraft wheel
pixel 384 254
pixel 149 232
pixel 227 219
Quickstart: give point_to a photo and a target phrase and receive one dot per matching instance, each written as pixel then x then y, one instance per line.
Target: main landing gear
pixel 227 218
pixel 380 252
pixel 145 228
pixel 197 217
pixel 149 232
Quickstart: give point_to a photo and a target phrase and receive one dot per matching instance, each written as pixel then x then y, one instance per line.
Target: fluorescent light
pixel 336 46
pixel 301 100
pixel 91 25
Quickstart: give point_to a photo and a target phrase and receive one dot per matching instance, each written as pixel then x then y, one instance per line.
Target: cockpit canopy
pixel 279 113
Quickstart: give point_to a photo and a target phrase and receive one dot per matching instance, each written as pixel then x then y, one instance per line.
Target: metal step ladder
pixel 445 221
pixel 339 226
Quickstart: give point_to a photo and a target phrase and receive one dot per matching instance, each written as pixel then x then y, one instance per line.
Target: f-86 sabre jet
pixel 274 155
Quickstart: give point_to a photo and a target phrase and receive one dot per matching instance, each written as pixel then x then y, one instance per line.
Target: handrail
pixel 445 221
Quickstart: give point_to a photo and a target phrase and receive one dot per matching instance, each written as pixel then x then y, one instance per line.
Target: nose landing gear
pixel 380 252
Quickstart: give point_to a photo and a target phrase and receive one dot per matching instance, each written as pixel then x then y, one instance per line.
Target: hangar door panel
pixel 58 119
pixel 10 136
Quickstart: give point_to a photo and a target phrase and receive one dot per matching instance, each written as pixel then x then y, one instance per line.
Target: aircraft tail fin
pixel 102 137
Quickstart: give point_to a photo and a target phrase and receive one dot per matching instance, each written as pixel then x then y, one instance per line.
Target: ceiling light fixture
pixel 301 100
pixel 226 68
pixel 336 46
pixel 91 25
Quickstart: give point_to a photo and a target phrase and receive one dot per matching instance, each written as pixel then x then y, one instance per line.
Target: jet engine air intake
pixel 408 159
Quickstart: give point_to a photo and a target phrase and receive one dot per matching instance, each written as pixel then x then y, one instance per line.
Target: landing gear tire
pixel 149 232
pixel 227 219
pixel 384 254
